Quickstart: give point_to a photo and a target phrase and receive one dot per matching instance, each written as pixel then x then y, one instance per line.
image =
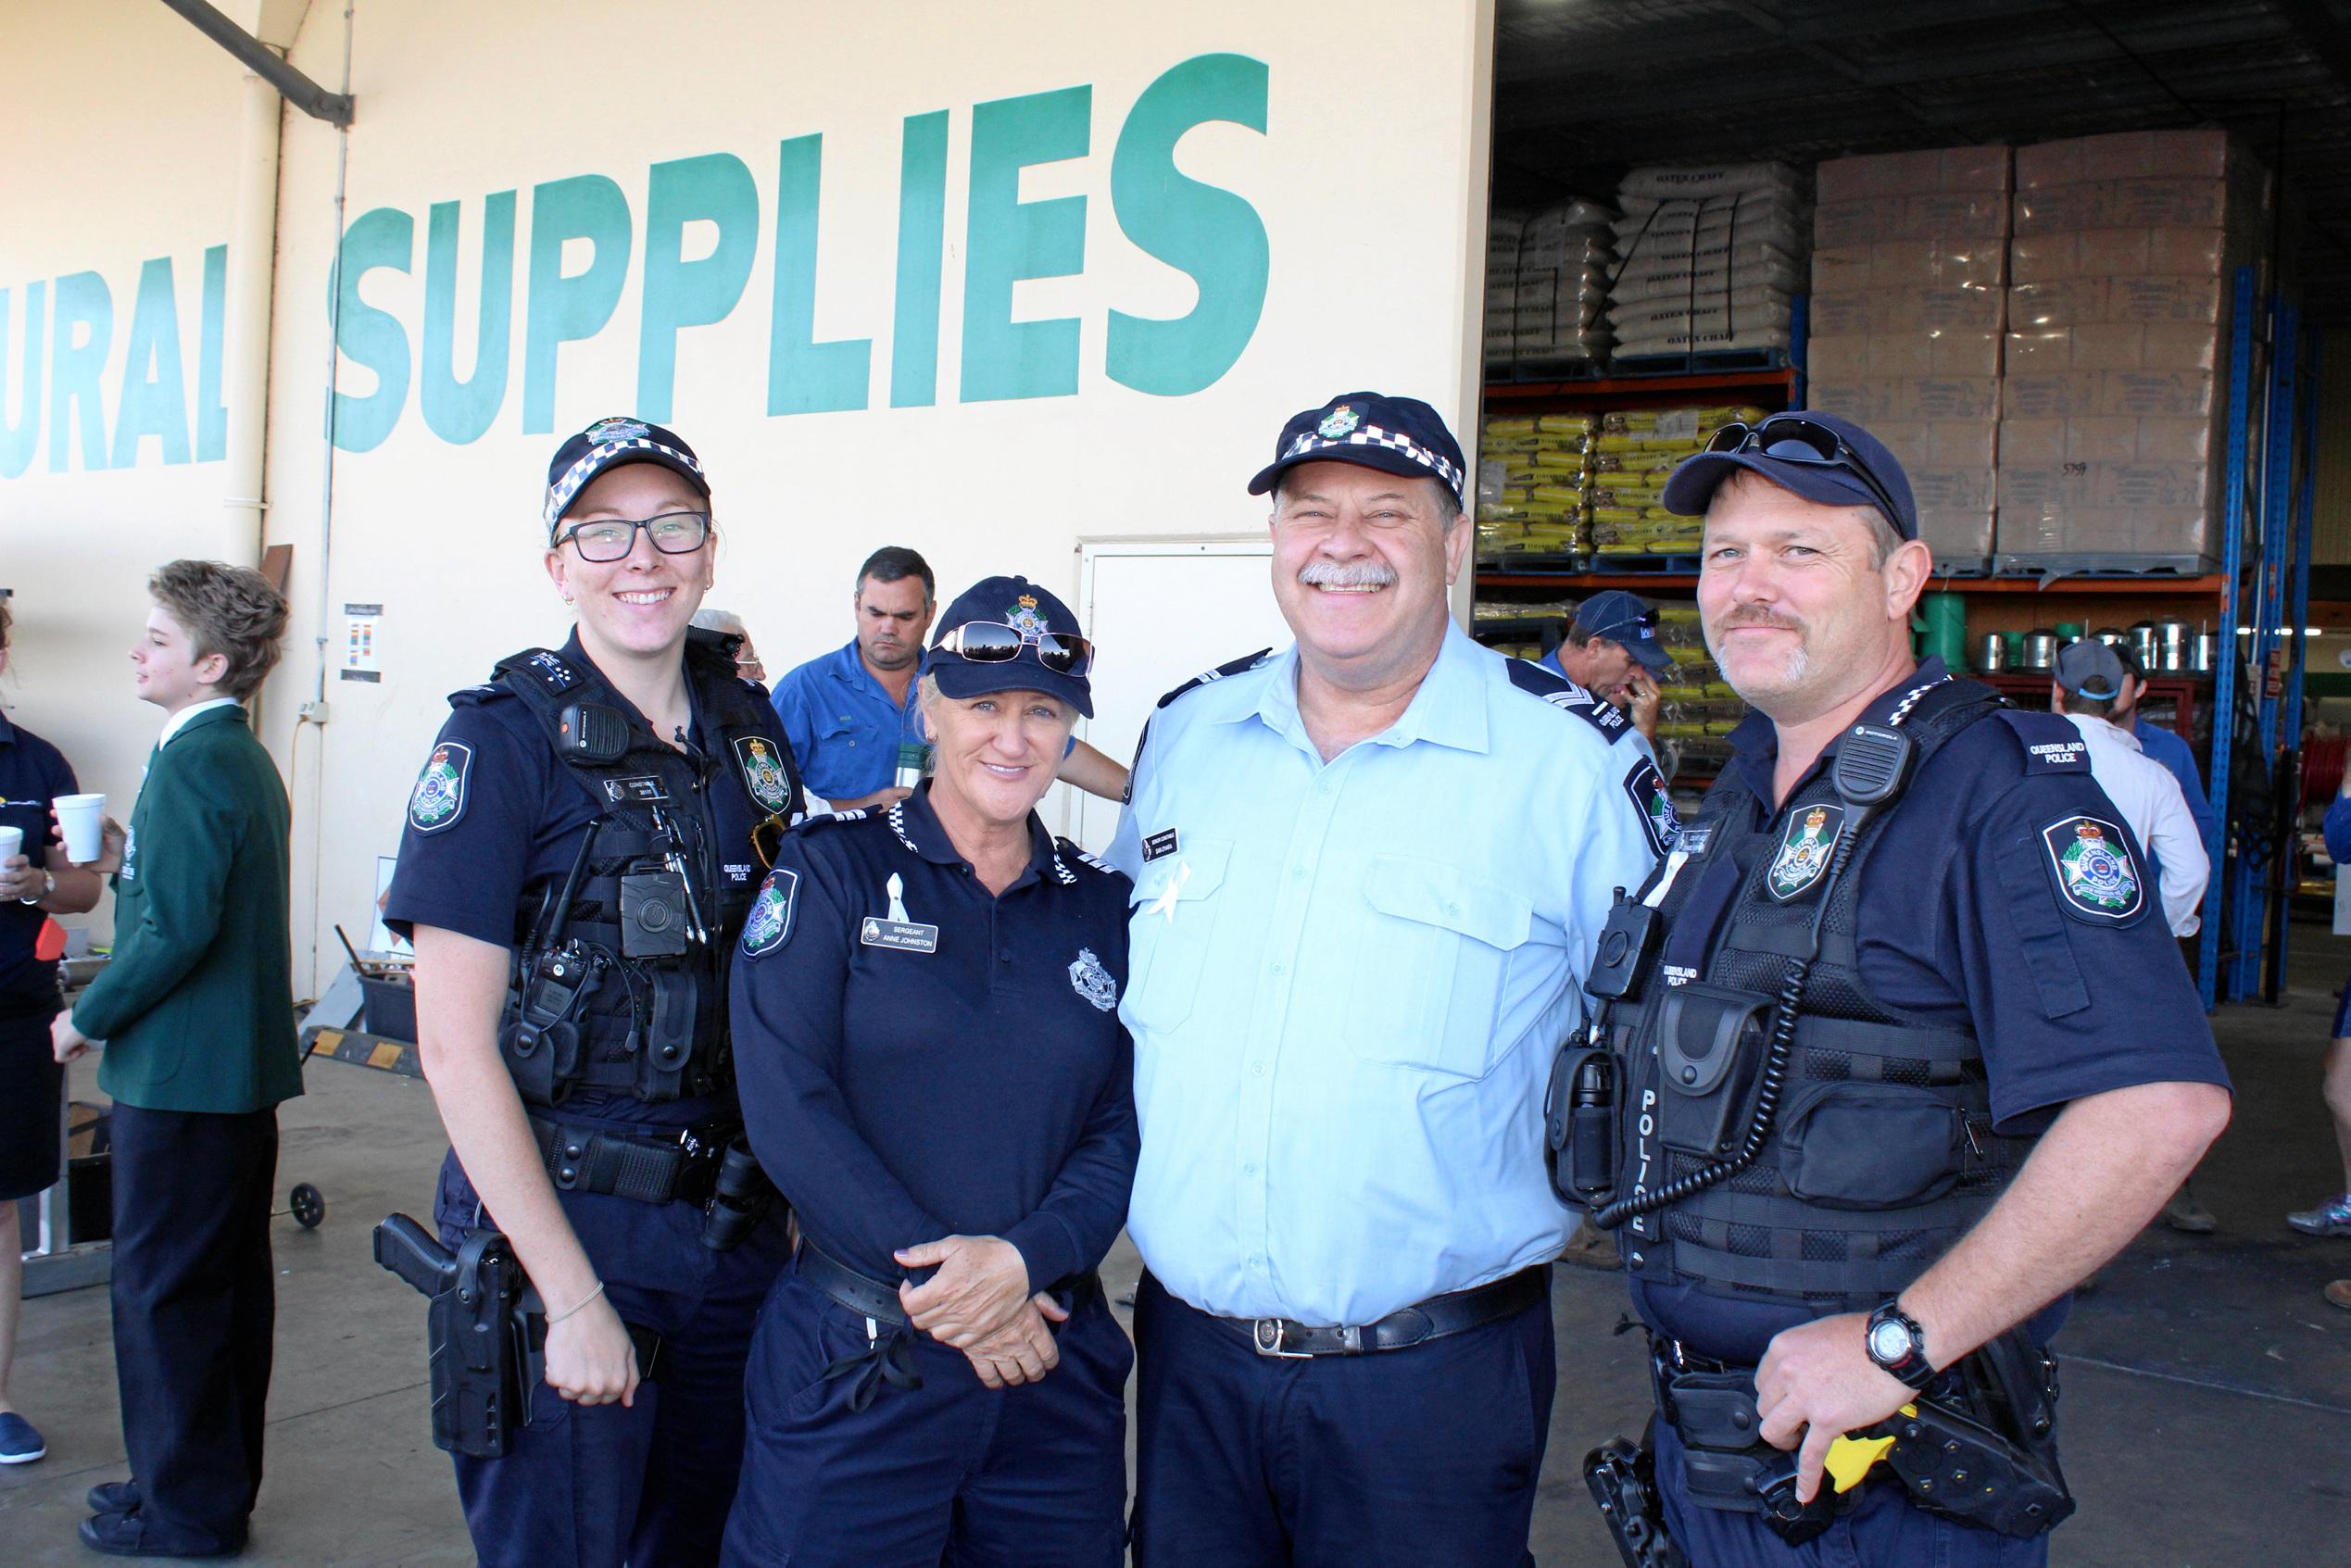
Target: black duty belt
pixel 871 1298
pixel 680 1167
pixel 1456 1311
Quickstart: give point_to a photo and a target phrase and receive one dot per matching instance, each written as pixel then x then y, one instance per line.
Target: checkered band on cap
pixel 595 459
pixel 1311 441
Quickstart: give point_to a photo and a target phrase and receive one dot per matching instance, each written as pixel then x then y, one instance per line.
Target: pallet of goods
pixel 1634 451
pixel 1546 287
pixel 1710 260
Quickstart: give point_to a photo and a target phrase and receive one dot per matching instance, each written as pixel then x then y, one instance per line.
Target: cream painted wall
pixel 1368 181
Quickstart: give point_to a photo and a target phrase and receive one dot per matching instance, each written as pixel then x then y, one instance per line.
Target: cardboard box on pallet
pixel 2120 277
pixel 1909 312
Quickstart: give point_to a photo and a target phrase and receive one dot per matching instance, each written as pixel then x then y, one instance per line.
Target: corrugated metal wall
pixel 2331 513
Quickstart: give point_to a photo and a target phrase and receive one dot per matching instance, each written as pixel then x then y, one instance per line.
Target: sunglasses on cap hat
pixel 993 642
pixel 1792 438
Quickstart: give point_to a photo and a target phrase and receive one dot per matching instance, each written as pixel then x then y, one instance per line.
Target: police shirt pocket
pixel 1171 923
pixel 1431 990
pixel 1862 1145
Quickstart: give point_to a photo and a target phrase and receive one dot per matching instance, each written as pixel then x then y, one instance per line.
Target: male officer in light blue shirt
pixel 1360 919
pixel 850 714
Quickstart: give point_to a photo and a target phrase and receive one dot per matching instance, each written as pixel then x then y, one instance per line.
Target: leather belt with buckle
pixel 1456 1311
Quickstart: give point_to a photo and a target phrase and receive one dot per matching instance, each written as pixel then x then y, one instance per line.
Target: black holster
pixel 1623 1479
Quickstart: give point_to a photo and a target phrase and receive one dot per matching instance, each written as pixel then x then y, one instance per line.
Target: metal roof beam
pixel 2315 23
pixel 294 87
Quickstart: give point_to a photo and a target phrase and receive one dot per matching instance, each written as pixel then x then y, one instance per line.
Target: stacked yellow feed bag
pixel 1534 477
pixel 1634 453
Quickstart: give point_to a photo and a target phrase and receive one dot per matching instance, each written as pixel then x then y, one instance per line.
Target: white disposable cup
pixel 11 842
pixel 81 817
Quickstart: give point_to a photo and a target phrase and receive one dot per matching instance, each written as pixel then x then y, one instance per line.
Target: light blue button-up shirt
pixel 1348 981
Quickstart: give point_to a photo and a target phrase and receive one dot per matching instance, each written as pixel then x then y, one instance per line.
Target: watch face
pixel 1889 1341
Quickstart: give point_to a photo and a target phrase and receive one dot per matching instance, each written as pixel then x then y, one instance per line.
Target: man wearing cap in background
pixel 850 714
pixel 1370 870
pixel 1903 910
pixel 2161 742
pixel 2090 682
pixel 1611 650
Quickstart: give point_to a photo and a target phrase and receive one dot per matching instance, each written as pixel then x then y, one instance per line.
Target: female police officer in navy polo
pixel 933 1070
pixel 578 859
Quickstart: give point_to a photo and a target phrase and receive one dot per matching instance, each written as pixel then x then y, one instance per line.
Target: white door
pixel 1162 611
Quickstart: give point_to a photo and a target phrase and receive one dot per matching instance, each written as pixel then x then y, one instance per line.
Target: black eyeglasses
pixel 611 538
pixel 993 642
pixel 1792 438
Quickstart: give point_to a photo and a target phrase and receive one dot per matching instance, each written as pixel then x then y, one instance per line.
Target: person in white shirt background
pixel 2088 680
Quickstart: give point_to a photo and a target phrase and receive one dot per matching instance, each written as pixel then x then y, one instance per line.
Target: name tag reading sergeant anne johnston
pixel 894 930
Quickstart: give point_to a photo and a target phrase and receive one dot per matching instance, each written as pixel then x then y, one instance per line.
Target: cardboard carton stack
pixel 2113 394
pixel 1909 269
pixel 1710 258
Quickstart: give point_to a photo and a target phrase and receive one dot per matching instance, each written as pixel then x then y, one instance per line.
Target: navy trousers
pixel 1883 1530
pixel 195 1309
pixel 952 1474
pixel 650 1483
pixel 1401 1458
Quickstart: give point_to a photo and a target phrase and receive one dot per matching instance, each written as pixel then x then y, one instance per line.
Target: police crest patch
pixel 763 773
pixel 605 432
pixel 1656 808
pixel 1091 981
pixel 2097 878
pixel 439 797
pixel 1339 423
pixel 1804 848
pixel 770 923
pixel 1023 617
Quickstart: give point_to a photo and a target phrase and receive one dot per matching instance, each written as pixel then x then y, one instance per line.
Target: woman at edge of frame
pixel 610 1467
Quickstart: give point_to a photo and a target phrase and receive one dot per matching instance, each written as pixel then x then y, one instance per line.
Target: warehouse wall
pixel 2331 496
pixel 980 278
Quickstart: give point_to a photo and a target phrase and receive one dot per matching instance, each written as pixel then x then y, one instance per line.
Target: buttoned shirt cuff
pixel 1046 1245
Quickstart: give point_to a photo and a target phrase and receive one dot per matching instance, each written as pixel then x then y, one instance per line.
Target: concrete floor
pixel 2208 1387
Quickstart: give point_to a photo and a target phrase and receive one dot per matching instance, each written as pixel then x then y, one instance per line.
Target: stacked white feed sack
pixel 1547 284
pixel 1709 258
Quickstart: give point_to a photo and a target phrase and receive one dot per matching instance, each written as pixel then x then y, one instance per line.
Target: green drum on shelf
pixel 1943 628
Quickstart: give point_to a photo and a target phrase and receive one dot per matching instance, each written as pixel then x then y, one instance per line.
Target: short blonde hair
pixel 230 611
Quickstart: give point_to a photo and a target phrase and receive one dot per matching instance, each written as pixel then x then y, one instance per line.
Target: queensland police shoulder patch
pixel 769 925
pixel 1647 788
pixel 763 773
pixel 440 794
pixel 1805 847
pixel 2098 879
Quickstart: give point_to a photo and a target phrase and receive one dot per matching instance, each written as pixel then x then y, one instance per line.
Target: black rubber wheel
pixel 307 1204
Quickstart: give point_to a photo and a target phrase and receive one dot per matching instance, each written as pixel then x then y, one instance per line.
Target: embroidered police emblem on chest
pixel 439 797
pixel 1804 848
pixel 1656 808
pixel 763 773
pixel 770 923
pixel 1092 981
pixel 1023 617
pixel 2095 875
pixel 1339 423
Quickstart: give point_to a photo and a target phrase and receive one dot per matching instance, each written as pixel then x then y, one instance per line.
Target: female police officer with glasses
pixel 933 1068
pixel 577 864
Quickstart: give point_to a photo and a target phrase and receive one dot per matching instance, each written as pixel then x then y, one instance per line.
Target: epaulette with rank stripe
pixel 828 819
pixel 1074 853
pixel 1565 695
pixel 1238 666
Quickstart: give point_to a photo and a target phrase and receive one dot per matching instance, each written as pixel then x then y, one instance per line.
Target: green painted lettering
pixel 212 332
pixel 566 310
pixel 803 375
pixel 21 436
pixel 1009 239
pixel 922 241
pixel 460 411
pixel 80 336
pixel 367 337
pixel 679 293
pixel 155 388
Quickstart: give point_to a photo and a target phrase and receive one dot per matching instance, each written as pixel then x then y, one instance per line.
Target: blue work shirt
pixel 522 813
pixel 919 1058
pixel 1962 922
pixel 1351 978
pixel 846 731
pixel 2170 747
pixel 32 773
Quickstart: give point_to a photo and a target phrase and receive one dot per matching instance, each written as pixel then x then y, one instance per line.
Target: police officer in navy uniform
pixel 935 1072
pixel 581 851
pixel 1831 1209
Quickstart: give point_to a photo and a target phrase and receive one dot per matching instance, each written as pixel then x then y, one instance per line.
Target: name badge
pixel 1160 844
pixel 643 790
pixel 905 937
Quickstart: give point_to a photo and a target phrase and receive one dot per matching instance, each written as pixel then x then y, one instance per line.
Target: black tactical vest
pixel 1882 1154
pixel 620 972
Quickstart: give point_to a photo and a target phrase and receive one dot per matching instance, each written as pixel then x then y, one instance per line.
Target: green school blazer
pixel 197 1006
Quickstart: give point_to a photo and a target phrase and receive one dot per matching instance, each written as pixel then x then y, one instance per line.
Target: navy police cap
pixel 1628 619
pixel 607 445
pixel 1694 483
pixel 1028 610
pixel 1400 435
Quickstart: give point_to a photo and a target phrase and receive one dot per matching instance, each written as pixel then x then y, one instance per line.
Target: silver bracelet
pixel 576 1305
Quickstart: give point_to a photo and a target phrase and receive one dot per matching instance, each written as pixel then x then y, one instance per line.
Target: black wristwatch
pixel 1898 1344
